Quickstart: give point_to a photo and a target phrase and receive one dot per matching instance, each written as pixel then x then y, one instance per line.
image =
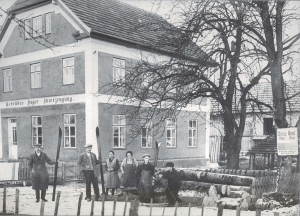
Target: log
pixel 161 186
pixel 217 178
pixel 253 173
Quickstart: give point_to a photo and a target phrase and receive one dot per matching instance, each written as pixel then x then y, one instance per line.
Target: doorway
pixel 12 138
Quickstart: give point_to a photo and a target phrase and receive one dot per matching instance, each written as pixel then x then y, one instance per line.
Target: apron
pixel 112 180
pixel 145 188
pixel 129 177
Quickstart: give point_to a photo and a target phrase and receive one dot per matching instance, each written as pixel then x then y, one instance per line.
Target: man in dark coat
pixel 173 184
pixel 87 161
pixel 39 173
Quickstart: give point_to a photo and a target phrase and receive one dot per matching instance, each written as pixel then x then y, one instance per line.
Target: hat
pixel 145 155
pixel 169 164
pixel 37 144
pixel 88 145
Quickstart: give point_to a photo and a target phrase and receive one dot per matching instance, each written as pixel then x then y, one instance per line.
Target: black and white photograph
pixel 150 107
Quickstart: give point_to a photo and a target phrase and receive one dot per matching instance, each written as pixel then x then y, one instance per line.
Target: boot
pixel 37 196
pixel 44 195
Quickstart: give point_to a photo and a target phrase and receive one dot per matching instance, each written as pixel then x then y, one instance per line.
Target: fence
pixel 24 172
pixel 263 185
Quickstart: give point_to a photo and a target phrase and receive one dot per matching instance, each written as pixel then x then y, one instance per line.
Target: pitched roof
pixel 118 21
pixel 263 92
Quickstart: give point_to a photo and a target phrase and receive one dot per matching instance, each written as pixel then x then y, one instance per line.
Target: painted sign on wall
pixel 287 141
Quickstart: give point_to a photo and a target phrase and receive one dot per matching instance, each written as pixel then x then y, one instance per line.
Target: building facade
pixel 52 69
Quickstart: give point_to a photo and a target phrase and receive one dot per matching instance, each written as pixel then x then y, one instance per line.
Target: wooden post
pixel 4 199
pixel 164 209
pixel 189 209
pixel 57 203
pixel 238 211
pixel 264 165
pixel 134 208
pixel 258 212
pixel 175 212
pixel 79 204
pixel 92 206
pixel 114 207
pixel 42 208
pixel 103 206
pixel 220 209
pixel 124 213
pixel 268 161
pixel 250 162
pixel 272 161
pixel 253 166
pixel 17 201
pixel 202 211
pixel 151 206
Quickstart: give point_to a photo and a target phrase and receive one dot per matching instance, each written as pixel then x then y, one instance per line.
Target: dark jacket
pixel 83 161
pixel 39 173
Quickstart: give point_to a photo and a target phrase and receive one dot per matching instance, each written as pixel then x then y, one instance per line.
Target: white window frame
pixel 193 135
pixel 119 70
pixel 148 138
pixel 7 80
pixel 37 26
pixel 171 141
pixel 119 124
pixel 27 29
pixel 35 126
pixel 68 71
pixel 48 23
pixel 35 75
pixel 67 128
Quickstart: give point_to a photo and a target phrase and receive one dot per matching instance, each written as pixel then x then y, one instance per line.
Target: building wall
pixel 61 34
pixel 51 79
pixel 181 151
pixel 52 118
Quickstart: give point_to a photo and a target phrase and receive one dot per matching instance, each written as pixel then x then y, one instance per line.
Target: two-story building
pixel 55 56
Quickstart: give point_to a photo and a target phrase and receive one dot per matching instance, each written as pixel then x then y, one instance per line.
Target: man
pixel 39 173
pixel 173 177
pixel 87 161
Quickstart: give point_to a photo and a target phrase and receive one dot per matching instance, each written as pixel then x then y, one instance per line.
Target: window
pixel 7 79
pixel 192 133
pixel 35 74
pixel 27 28
pixel 119 124
pixel 147 135
pixel 171 132
pixel 68 71
pixel 118 70
pixel 37 134
pixel 37 26
pixel 48 23
pixel 69 131
pixel 268 126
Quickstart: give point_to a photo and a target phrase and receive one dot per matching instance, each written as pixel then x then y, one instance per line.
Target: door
pixel 12 138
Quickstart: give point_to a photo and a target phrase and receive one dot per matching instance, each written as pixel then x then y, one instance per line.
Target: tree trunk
pixel 216 178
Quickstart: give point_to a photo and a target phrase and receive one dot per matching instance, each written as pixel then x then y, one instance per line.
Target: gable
pixel 20 38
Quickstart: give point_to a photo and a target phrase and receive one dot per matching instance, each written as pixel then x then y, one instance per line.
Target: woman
pixel 39 173
pixel 128 169
pixel 112 166
pixel 145 172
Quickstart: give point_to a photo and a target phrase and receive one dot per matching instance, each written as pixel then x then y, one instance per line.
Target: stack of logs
pixel 217 183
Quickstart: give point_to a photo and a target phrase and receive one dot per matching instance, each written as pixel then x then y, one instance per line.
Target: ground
pixel 69 199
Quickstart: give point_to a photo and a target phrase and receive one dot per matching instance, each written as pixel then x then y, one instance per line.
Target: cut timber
pixel 253 173
pixel 162 184
pixel 216 178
